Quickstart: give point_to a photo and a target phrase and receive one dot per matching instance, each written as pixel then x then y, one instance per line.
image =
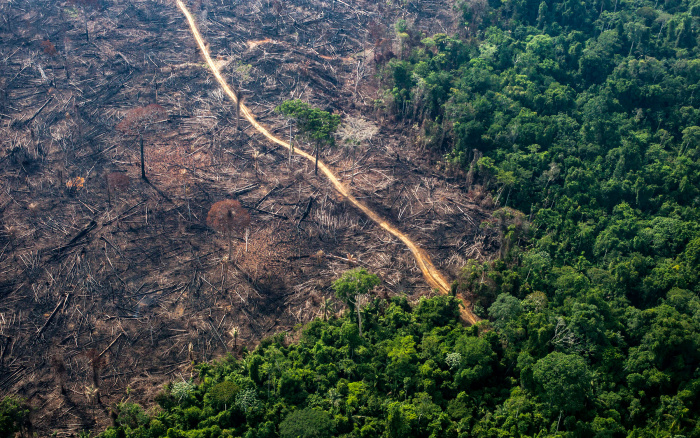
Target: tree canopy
pixel 315 124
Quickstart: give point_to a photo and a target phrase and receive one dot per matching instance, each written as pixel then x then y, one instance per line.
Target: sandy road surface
pixel 432 275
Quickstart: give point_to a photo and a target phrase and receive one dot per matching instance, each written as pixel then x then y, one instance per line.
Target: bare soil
pixel 101 290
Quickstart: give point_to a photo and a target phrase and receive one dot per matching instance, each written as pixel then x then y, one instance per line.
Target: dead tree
pixel 59 370
pixel 96 365
pixel 237 95
pixel 228 218
pixel 140 121
pixel 116 182
pixel 87 5
pixel 48 48
pixel 277 8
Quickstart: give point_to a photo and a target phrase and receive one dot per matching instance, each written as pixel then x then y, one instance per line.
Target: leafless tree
pixel 86 5
pixel 59 369
pixel 228 217
pixel 116 182
pixel 140 121
pixel 96 365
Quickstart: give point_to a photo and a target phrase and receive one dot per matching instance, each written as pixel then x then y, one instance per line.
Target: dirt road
pixel 432 275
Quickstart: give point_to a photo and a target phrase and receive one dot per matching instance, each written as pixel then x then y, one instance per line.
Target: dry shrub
pixel 48 48
pixel 228 217
pixel 118 181
pixel 75 184
pixel 139 119
pixel 97 362
pixel 356 130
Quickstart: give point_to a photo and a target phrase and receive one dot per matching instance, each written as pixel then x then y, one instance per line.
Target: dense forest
pixel 582 122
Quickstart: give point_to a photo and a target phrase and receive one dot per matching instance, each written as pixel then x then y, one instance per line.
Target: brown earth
pixel 126 290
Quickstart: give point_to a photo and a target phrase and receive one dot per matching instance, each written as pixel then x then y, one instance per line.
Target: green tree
pixel 223 394
pixel 13 415
pixel 351 286
pixel 506 308
pixel 400 420
pixel 307 423
pixel 131 415
pixel 317 125
pixel 564 379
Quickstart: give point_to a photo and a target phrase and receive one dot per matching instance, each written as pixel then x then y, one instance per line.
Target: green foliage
pixel 131 415
pixel 224 393
pixel 333 382
pixel 307 423
pixel 247 400
pixel 504 309
pixel 181 390
pixel 585 117
pixel 564 380
pixel 318 125
pixel 353 283
pixel 13 415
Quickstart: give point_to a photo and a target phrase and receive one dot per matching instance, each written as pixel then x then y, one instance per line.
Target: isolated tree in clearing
pixel 87 5
pixel 315 124
pixel 139 121
pixel 228 217
pixel 116 182
pixel 48 48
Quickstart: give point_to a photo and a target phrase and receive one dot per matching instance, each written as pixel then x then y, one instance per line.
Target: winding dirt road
pixel 434 277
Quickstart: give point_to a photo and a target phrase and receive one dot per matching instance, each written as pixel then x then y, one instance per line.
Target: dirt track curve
pixel 430 272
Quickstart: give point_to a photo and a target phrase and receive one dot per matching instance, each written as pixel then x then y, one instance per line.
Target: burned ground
pixel 116 282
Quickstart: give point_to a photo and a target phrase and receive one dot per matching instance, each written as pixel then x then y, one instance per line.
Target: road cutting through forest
pixel 432 275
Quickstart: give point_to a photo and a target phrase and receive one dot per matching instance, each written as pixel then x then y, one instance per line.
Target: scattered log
pixel 257 204
pixel 123 214
pixel 55 310
pixel 245 189
pixel 306 212
pixel 110 344
pixel 91 226
pixel 211 323
pixel 21 123
pixel 279 216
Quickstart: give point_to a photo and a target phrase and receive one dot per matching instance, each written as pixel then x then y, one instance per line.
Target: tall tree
pixel 313 123
pixel 228 217
pixel 141 120
pixel 351 286
pixel 564 379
